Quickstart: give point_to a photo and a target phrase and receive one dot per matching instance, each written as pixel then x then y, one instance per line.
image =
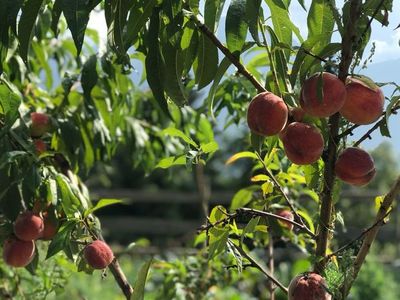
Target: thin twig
pixel 325 217
pixel 371 235
pixel 279 187
pixel 234 59
pixel 261 268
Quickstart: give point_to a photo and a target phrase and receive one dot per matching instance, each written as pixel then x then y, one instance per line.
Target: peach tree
pixel 69 102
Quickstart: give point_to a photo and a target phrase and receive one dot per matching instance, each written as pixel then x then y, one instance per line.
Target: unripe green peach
pixel 308 286
pixel 28 226
pixel 17 253
pixel 364 101
pixel 322 96
pixel 267 114
pixel 303 143
pixel 98 254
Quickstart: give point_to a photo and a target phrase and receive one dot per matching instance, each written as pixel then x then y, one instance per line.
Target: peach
pixel 303 143
pixel 40 124
pixel 267 114
pixel 364 101
pixel 17 253
pixel 355 166
pixel 28 226
pixel 308 286
pixel 287 214
pixel 50 226
pixel 40 146
pixel 297 113
pixel 326 101
pixel 98 254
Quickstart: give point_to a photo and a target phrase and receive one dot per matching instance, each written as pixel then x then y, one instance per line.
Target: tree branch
pixel 235 60
pixel 261 268
pixel 372 233
pixel 325 218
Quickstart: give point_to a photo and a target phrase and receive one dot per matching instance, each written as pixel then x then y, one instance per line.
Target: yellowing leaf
pixel 260 177
pixel 244 154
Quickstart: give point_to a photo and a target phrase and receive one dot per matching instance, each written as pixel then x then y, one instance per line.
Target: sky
pixel 383 68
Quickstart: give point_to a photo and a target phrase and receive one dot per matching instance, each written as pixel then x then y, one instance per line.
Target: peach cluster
pixel 41 124
pixel 359 100
pixel 19 250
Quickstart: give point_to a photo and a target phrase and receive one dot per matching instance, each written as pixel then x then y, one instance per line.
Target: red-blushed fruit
pixel 98 254
pixel 297 114
pixel 355 166
pixel 40 146
pixel 364 101
pixel 40 124
pixel 50 226
pixel 17 253
pixel 287 214
pixel 28 226
pixel 308 286
pixel 322 96
pixel 303 143
pixel 267 114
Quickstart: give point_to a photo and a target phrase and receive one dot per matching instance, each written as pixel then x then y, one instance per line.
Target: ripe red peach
pixel 17 253
pixel 288 215
pixel 355 166
pixel 364 101
pixel 322 99
pixel 40 146
pixel 267 114
pixel 297 113
pixel 28 226
pixel 51 223
pixel 98 254
pixel 303 143
pixel 40 124
pixel 308 286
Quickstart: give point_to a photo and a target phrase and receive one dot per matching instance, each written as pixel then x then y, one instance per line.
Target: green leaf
pixel 253 16
pixel 77 12
pixel 209 147
pixel 250 227
pixel 222 68
pixel 217 241
pixel 138 16
pixel 55 16
pixel 89 75
pixel 171 161
pixel 320 22
pixel 138 291
pixel 171 131
pixel 243 197
pixel 60 240
pixel 154 63
pixel 218 213
pixel 206 64
pixel 236 26
pixel 30 11
pixel 10 103
pixel 239 155
pixel 102 203
pixel 212 13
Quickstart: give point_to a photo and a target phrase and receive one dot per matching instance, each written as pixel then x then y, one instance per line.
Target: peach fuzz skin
pixel 288 215
pixel 303 143
pixel 98 254
pixel 17 253
pixel 333 95
pixel 355 166
pixel 364 104
pixel 267 114
pixel 28 226
pixel 309 286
